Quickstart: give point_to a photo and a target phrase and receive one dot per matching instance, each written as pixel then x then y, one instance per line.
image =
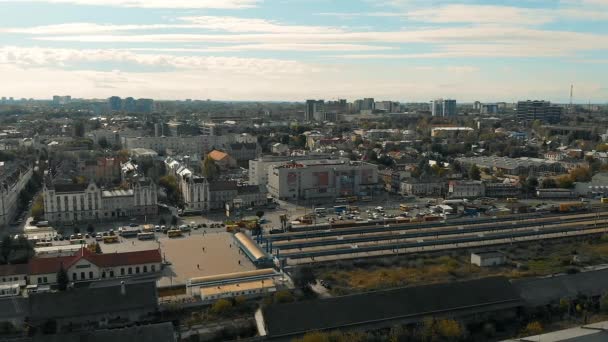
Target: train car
pixel 145 236
pixel 571 206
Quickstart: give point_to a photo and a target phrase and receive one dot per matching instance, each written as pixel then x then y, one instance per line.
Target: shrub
pixel 221 307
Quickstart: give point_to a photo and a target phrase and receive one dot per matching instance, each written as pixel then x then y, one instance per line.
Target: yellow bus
pixel 404 207
pixel 604 200
pixel 110 239
pixel 512 200
pixel 174 233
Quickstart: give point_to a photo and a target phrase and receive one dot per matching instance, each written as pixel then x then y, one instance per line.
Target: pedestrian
pixel 198 266
pixel 203 249
pixel 239 262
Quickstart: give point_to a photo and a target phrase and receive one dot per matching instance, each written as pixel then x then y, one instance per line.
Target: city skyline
pixel 292 50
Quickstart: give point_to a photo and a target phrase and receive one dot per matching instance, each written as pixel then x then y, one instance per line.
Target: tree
pixel 103 142
pixel 76 230
pixel 449 328
pixel 604 303
pixel 474 173
pixel 221 307
pixel 162 221
pixel 259 213
pixel 565 182
pixel 79 129
pixel 7 248
pixel 530 184
pixel 62 279
pixel 173 220
pixel 90 228
pixel 38 208
pixel 580 174
pixel 303 276
pixel 533 328
pixel 549 183
pixel 210 168
pixel 283 297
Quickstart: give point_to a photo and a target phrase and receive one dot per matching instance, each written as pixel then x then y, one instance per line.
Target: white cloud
pixel 510 16
pixel 273 47
pixel 86 28
pixel 209 23
pixel 481 14
pixel 235 24
pixel 510 39
pixel 49 57
pixel 224 4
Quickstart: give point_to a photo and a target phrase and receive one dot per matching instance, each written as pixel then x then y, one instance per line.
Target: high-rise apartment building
pixel 441 107
pixel 313 107
pixel 538 110
pixel 115 103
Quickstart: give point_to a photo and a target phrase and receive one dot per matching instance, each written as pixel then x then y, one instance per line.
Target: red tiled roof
pixel 16 269
pixel 51 265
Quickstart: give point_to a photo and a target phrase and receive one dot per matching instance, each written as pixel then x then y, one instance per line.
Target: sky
pixel 292 50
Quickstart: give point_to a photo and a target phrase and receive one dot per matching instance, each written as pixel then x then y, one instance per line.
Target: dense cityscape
pixel 303 171
pixel 216 220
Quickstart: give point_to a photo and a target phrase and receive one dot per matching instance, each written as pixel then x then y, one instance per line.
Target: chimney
pixel 123 288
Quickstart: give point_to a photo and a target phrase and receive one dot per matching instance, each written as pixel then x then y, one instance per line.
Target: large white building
pixel 68 203
pixel 13 179
pixel 258 168
pixel 200 194
pixel 322 179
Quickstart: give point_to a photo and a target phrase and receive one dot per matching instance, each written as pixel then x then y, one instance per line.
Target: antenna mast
pixel 571 91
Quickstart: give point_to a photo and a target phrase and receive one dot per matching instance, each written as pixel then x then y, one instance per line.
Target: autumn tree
pixel 210 168
pixel 474 173
pixel 533 328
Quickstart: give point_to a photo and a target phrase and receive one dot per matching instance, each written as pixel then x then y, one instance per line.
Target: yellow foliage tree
pixel 533 328
pixel 449 328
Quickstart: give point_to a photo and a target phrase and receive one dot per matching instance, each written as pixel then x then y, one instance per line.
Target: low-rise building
pixel 279 148
pixel 244 151
pixel 466 189
pixel 449 131
pixel 100 170
pixel 423 187
pixel 489 258
pixel 248 284
pixel 222 159
pixel 85 266
pixel 523 166
pixel 90 307
pixel 501 190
